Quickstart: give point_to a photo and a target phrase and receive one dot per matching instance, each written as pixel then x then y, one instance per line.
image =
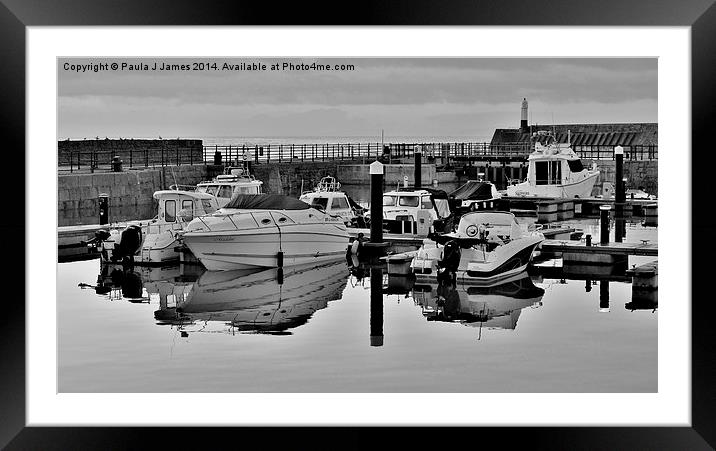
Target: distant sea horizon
pixel 324 139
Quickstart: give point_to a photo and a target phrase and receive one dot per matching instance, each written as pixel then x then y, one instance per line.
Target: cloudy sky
pixel 405 97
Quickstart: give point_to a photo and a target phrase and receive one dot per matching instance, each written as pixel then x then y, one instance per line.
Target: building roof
pixel 586 134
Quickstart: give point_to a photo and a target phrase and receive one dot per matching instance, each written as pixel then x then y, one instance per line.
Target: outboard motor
pixel 451 256
pixel 129 243
pixel 447 267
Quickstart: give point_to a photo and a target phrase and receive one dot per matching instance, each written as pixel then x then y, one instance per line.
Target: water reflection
pixel 495 306
pixel 265 301
pixel 262 301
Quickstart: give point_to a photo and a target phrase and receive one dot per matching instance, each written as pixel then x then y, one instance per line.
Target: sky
pixel 458 97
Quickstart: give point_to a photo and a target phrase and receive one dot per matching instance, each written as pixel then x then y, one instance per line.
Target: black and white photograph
pixel 357 225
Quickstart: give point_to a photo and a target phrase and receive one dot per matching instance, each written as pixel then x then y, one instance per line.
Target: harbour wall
pixel 639 173
pixel 130 192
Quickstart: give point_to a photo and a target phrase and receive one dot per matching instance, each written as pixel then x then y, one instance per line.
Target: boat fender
pixel 355 246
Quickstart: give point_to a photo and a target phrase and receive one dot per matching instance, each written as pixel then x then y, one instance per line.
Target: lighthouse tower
pixel 523 116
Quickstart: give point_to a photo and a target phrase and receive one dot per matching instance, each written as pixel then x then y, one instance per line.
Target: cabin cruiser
pixel 493 306
pixel 154 241
pixel 416 211
pixel 265 231
pixel 256 300
pixel 235 180
pixel 487 247
pixel 328 197
pixel 555 171
pixel 477 195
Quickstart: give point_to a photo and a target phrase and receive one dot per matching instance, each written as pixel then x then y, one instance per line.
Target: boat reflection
pixel 260 301
pixel 495 306
pixel 130 282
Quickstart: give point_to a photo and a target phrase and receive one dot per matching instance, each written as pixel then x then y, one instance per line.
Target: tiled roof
pixel 587 134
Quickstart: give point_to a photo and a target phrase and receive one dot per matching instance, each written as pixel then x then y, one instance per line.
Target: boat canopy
pixel 473 190
pixel 266 202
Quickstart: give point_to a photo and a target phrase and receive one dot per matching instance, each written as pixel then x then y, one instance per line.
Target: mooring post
pixel 418 167
pixel 604 224
pixel 604 296
pixel 620 194
pixel 376 202
pixel 376 305
pixel 103 202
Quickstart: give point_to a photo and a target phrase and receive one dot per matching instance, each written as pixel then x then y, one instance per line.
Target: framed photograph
pixel 360 223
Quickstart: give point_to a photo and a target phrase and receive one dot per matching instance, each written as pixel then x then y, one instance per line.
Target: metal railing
pixel 104 160
pixel 287 153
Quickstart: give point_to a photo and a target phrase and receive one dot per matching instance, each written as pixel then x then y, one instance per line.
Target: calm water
pixel 185 330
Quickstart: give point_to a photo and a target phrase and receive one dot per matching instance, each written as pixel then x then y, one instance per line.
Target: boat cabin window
pixel 426 203
pixel 339 203
pixel 225 191
pixel 575 165
pixel 408 201
pixel 186 213
pixel 320 202
pixel 548 172
pixel 246 190
pixel 211 189
pixel 388 201
pixel 170 211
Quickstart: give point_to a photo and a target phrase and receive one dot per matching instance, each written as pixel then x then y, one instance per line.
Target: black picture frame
pixel 700 15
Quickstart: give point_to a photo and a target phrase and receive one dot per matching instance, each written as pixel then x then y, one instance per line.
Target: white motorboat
pixel 487 247
pixel 555 171
pixel 415 211
pixel 265 231
pixel 493 306
pixel 327 196
pixel 154 241
pixel 236 180
pixel 268 300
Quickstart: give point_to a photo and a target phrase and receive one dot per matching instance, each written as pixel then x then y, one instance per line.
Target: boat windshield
pixel 409 201
pixel 321 202
pixel 488 218
pixel 443 207
pixel 209 207
pixel 389 201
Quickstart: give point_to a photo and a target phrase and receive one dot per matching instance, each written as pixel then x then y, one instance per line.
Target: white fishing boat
pixel 235 180
pixel 492 306
pixel 487 247
pixel 415 211
pixel 554 171
pixel 259 300
pixel 265 231
pixel 153 241
pixel 327 196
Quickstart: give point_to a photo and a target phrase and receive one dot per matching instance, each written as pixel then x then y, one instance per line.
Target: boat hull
pixel 267 248
pixel 582 189
pixel 506 261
